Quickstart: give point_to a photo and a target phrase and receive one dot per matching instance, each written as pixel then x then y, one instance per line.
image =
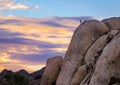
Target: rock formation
pixel 108 63
pixel 112 23
pixel 84 36
pixel 79 75
pixel 93 55
pixel 52 70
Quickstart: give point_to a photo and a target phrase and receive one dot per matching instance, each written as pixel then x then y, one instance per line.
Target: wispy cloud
pixel 32 41
pixel 12 5
pixel 6 61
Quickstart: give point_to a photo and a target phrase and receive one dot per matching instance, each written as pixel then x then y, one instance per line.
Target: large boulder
pixel 108 63
pixel 113 33
pixel 84 36
pixel 79 75
pixel 112 23
pixel 52 70
pixel 96 49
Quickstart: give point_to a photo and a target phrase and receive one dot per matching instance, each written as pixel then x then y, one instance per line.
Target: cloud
pixel 12 5
pixel 26 43
pixel 35 58
pixel 5 34
pixel 35 29
pixel 11 21
pixel 15 64
pixel 55 24
pixel 18 6
pixel 22 56
pixel 15 40
pixel 35 7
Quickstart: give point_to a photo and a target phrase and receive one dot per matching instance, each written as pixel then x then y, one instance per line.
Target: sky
pixel 31 31
pixel 65 8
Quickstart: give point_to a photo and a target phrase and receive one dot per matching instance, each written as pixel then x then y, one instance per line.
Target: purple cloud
pixel 54 24
pixel 36 58
pixel 23 43
pixel 4 33
pixel 11 21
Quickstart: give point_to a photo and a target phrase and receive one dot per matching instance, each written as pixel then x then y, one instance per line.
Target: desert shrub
pixel 19 79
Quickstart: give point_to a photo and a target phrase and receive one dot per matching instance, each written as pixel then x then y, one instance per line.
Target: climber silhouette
pixel 81 21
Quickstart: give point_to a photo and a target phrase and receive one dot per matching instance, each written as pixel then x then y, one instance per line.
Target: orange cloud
pixel 5 61
pixel 15 65
pixel 4 57
pixel 43 31
pixel 19 49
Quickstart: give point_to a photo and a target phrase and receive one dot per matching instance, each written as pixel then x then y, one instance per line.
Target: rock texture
pixel 79 75
pixel 84 36
pixel 93 54
pixel 96 49
pixel 112 23
pixel 52 70
pixel 108 63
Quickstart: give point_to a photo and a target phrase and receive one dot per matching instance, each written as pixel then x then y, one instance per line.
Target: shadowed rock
pixel 79 75
pixel 112 33
pixel 114 79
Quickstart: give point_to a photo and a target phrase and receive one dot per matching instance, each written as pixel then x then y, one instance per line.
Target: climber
pixel 81 21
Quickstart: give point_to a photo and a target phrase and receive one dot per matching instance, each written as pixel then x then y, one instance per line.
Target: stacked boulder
pixel 92 58
pixel 52 70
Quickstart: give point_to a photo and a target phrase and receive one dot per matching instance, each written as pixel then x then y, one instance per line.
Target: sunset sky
pixel 31 31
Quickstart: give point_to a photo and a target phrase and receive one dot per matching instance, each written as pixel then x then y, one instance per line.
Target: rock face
pixel 95 50
pixel 84 36
pixel 79 75
pixel 108 63
pixel 112 23
pixel 52 70
pixel 93 56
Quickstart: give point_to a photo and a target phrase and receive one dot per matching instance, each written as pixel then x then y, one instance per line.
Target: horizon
pixel 35 30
